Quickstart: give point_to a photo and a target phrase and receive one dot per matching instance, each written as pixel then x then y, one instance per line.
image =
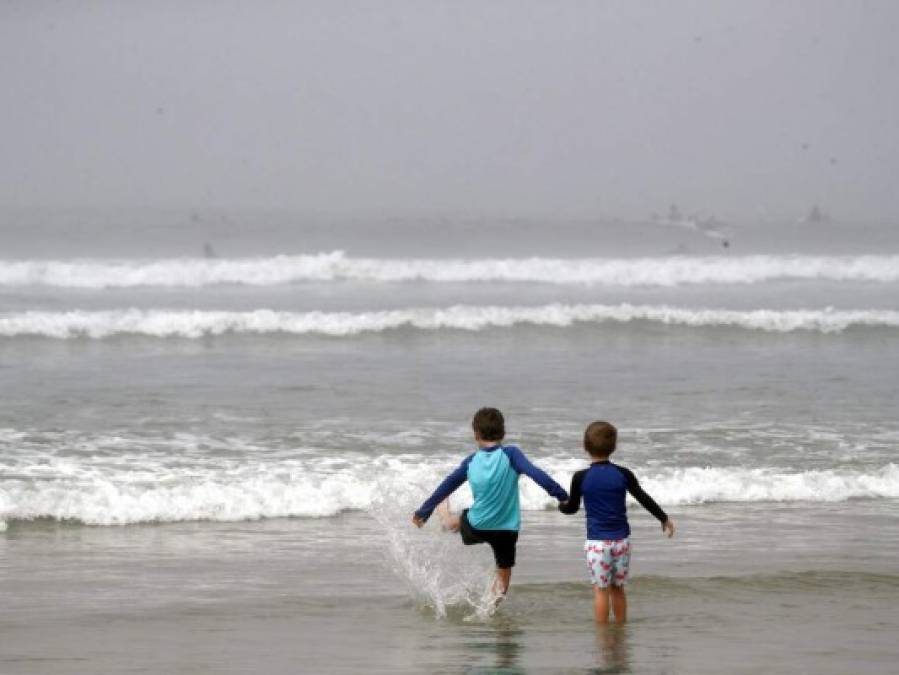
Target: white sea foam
pixel 100 491
pixel 700 485
pixel 200 323
pixel 335 266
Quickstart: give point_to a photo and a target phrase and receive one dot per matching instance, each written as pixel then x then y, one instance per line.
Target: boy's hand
pixel 668 528
pixel 418 522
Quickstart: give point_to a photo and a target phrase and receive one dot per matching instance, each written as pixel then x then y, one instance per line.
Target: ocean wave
pixel 98 493
pixel 200 323
pixel 702 485
pixel 336 266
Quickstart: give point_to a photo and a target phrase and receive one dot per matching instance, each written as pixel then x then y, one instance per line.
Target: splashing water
pixel 440 573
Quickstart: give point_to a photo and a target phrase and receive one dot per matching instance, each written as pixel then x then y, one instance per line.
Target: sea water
pixel 209 464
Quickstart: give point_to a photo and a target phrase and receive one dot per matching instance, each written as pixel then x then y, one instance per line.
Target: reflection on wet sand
pixel 612 650
pixel 507 647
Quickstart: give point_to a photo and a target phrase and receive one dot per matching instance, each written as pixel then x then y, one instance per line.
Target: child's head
pixel 600 439
pixel 488 425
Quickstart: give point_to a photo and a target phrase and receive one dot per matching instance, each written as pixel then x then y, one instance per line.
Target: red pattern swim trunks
pixel 608 561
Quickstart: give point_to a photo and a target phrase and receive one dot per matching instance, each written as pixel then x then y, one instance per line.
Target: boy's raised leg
pixel 619 603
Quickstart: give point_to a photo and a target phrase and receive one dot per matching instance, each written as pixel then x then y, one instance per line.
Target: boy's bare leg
pixel 448 521
pixel 619 603
pixel 601 604
pixel 502 581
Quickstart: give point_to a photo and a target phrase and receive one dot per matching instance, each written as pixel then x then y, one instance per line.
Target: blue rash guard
pixel 493 474
pixel 604 487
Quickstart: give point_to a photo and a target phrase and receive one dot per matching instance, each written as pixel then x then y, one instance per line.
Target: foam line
pixel 664 271
pixel 100 494
pixel 199 323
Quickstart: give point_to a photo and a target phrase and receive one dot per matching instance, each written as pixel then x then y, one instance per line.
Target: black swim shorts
pixel 501 541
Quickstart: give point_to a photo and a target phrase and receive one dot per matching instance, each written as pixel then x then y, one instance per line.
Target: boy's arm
pixel 574 494
pixel 523 465
pixel 647 502
pixel 444 490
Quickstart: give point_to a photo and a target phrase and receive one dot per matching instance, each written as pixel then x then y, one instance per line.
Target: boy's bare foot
pixel 448 521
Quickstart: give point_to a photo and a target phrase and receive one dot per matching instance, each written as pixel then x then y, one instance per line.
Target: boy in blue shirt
pixel 495 516
pixel 604 487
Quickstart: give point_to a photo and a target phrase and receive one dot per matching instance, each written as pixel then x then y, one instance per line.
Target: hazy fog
pixel 578 109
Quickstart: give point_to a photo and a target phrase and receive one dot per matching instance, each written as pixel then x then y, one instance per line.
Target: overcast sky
pixel 742 109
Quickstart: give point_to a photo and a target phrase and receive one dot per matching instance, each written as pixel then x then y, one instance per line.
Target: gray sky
pixel 743 109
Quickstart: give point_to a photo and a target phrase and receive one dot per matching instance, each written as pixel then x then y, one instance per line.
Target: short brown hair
pixel 489 425
pixel 600 439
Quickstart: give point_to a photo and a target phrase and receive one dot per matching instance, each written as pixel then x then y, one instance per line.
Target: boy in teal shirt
pixel 495 516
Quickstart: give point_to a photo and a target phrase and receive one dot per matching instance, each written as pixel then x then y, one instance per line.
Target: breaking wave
pixel 95 491
pixel 200 323
pixel 336 266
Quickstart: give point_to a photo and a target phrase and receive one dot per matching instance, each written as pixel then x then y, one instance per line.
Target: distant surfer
pixel 495 516
pixel 815 216
pixel 604 487
pixel 208 251
pixel 674 214
pixel 708 226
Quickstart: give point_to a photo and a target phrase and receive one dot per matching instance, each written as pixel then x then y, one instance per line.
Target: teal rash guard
pixel 493 475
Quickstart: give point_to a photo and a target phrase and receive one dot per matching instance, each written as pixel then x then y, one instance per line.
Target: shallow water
pixel 308 596
pixel 186 491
